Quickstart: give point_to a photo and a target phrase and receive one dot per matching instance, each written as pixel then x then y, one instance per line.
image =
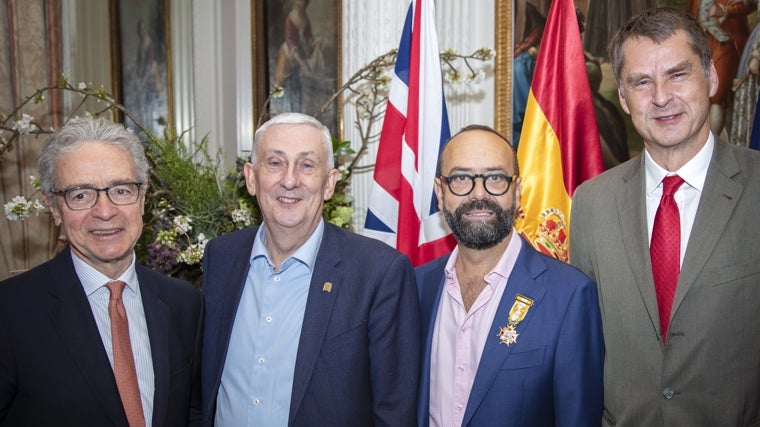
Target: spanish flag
pixel 559 146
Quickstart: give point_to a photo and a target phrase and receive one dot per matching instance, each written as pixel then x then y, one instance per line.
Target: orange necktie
pixel 665 250
pixel 123 361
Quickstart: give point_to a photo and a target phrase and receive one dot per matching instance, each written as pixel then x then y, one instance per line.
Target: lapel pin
pixel 327 287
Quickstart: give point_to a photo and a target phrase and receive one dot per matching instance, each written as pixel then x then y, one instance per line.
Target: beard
pixel 480 234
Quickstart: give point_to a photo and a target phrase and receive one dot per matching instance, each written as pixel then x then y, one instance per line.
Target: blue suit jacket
pixel 552 375
pixel 54 370
pixel 359 351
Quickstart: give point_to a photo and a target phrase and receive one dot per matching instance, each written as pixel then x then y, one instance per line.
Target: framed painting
pixel 519 25
pixel 296 54
pixel 141 61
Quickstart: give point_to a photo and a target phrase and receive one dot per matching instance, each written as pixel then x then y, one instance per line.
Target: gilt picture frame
pixel 503 68
pixel 141 62
pixel 296 59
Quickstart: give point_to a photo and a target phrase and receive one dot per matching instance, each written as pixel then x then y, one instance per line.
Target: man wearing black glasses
pixel 511 336
pixel 91 337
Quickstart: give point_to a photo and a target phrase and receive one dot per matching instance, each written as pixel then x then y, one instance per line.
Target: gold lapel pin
pixel 327 287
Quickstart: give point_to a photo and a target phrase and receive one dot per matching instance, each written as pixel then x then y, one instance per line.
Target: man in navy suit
pixel 56 352
pixel 512 337
pixel 307 324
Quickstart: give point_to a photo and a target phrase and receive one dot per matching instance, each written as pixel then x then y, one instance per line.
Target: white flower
pixel 25 125
pixel 202 241
pixel 82 86
pixel 38 207
pixel 477 77
pixel 278 92
pixel 191 255
pixel 19 209
pixel 34 182
pixel 242 217
pixel 182 224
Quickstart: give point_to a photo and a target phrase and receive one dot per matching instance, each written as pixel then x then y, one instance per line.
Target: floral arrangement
pixel 191 199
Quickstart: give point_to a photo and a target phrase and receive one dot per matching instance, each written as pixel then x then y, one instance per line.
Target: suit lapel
pixel 431 287
pixel 631 207
pixel 232 284
pixel 495 354
pixel 157 319
pixel 71 315
pixel 716 205
pixel 319 306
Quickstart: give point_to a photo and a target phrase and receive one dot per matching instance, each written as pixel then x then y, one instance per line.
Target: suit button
pixel 668 393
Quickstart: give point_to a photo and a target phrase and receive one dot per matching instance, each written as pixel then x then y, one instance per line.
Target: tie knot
pixel 116 288
pixel 670 184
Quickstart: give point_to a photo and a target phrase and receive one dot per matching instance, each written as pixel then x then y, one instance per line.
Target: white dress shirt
pixel 694 173
pixel 98 295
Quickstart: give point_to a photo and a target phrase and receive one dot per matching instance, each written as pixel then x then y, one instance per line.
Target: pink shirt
pixel 459 337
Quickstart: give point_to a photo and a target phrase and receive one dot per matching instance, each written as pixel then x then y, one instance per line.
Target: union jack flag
pixel 403 209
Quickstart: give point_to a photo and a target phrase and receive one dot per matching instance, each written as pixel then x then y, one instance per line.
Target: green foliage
pixel 338 210
pixel 190 200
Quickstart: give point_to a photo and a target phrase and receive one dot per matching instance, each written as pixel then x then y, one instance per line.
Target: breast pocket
pixel 524 359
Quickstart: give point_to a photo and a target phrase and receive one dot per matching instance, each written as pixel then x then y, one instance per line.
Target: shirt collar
pixel 92 279
pixel 503 267
pixel 694 172
pixel 306 253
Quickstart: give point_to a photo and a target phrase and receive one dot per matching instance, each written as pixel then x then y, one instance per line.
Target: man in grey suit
pixel 693 360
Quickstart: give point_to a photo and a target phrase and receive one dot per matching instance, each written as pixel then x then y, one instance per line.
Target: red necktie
pixel 665 250
pixel 123 361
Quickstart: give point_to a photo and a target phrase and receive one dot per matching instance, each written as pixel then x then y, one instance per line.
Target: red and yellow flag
pixel 559 145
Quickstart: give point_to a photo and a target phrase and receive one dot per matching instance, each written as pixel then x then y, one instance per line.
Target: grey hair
pixel 82 130
pixel 295 119
pixel 658 25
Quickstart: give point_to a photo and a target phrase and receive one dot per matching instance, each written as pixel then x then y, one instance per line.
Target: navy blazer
pixel 54 370
pixel 359 351
pixel 552 375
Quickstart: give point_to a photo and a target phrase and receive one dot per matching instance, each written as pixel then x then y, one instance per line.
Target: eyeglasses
pixel 84 197
pixel 462 184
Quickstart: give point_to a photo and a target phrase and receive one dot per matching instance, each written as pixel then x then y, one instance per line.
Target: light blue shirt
pixel 257 379
pixel 98 295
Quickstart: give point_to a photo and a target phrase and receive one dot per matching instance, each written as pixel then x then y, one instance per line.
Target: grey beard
pixel 480 234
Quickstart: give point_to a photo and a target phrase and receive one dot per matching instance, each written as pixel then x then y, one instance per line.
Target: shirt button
pixel 668 393
pixel 268 318
pixel 261 360
pixel 256 402
pixel 459 407
pixel 277 278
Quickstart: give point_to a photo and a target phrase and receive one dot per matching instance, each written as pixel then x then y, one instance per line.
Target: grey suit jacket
pixel 708 374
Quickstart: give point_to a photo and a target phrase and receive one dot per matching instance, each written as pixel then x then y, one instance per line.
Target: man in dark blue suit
pixel 512 337
pixel 307 324
pixel 58 363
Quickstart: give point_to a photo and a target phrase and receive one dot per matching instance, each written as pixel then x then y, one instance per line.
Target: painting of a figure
pixel 142 41
pixel 598 21
pixel 302 56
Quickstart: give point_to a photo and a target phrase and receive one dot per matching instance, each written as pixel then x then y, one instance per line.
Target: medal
pixel 508 334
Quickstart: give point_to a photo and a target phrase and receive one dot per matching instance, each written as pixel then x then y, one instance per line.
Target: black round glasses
pixel 462 184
